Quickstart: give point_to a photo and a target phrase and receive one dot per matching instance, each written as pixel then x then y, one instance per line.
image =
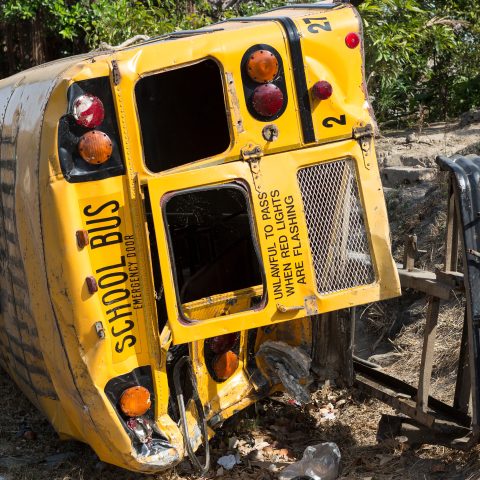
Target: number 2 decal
pixel 320 24
pixel 329 121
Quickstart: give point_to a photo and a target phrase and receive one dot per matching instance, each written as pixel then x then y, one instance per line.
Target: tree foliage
pixel 422 57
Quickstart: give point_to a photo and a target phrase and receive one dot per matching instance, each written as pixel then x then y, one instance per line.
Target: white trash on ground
pixel 319 462
pixel 229 461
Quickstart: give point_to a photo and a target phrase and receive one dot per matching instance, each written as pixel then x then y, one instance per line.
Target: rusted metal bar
pixel 463 388
pixel 426 366
pixel 399 395
pixel 395 399
pixel 464 176
pixel 451 251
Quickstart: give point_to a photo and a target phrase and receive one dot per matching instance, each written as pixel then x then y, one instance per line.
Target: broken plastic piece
pixel 319 462
pixel 288 365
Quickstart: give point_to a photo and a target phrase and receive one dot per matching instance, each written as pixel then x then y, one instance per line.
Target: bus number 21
pixel 320 24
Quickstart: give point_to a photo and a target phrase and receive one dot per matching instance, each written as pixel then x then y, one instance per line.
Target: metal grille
pixel 336 227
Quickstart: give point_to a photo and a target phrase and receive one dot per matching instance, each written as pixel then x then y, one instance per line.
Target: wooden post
pixel 428 353
pixel 332 350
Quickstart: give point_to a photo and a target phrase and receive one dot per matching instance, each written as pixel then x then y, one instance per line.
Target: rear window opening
pixel 213 248
pixel 182 115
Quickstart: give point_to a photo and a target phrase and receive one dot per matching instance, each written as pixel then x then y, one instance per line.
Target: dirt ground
pixel 276 431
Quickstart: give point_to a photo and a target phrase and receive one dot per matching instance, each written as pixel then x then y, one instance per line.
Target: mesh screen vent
pixel 336 227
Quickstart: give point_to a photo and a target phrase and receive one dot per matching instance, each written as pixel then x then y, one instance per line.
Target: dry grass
pixel 409 344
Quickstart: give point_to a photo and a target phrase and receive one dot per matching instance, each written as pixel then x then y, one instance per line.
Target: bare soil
pixel 276 431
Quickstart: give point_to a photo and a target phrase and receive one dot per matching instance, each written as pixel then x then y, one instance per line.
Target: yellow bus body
pixel 63 344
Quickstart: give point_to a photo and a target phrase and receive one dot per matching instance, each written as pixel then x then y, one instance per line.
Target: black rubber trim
pixel 311 6
pixel 303 97
pixel 250 85
pixel 465 172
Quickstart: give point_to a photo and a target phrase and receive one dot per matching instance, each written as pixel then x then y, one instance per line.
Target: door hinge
pixel 116 76
pixel 253 154
pixel 364 136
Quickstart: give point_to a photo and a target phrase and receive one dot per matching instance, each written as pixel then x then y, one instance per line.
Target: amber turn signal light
pixel 95 147
pixel 135 401
pixel 262 66
pixel 225 365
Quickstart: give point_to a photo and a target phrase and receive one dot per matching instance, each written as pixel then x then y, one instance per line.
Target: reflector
pixel 225 365
pixel 322 90
pixel 95 147
pixel 352 40
pixel 267 100
pixel 262 66
pixel 135 401
pixel 88 111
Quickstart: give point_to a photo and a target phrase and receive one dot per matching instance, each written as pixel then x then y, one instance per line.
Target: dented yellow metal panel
pixel 72 348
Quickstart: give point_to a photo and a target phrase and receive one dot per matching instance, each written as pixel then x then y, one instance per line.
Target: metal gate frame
pixel 433 421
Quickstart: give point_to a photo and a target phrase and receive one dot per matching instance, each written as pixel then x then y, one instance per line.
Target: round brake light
pixel 352 40
pixel 95 147
pixel 262 66
pixel 267 100
pixel 88 111
pixel 322 90
pixel 135 401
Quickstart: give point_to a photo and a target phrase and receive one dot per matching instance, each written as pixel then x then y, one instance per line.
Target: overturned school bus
pixel 173 215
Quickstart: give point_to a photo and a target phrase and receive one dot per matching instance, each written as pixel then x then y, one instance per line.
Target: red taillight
pixel 267 100
pixel 322 90
pixel 88 111
pixel 352 40
pixel 222 343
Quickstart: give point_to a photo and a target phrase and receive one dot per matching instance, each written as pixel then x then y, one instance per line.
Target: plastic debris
pixel 288 365
pixel 229 461
pixel 319 462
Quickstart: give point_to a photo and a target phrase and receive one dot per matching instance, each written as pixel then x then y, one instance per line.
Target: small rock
pixel 438 468
pixel 340 403
pixel 232 443
pixel 29 435
pixel 411 138
pixel 59 458
pixel 219 472
pixel 385 359
pixel 273 468
pixel 261 445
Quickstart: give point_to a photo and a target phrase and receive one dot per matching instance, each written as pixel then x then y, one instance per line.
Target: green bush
pixel 422 57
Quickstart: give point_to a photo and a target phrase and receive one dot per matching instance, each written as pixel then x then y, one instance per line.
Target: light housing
pixel 262 66
pixel 222 343
pixel 88 111
pixel 322 90
pixel 267 100
pixel 225 365
pixel 352 40
pixel 95 147
pixel 135 401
